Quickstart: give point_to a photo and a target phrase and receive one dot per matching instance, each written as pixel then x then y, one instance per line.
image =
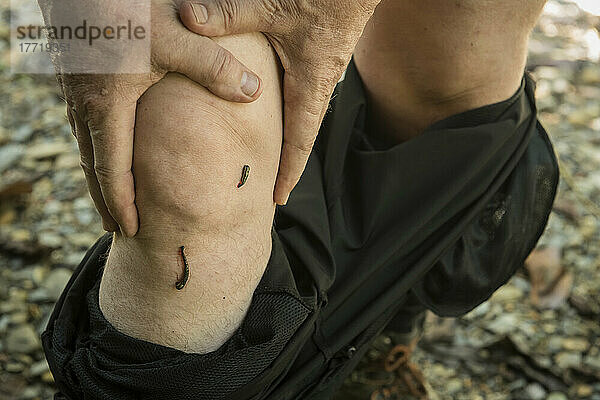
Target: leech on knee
pixel 186 270
pixel 245 173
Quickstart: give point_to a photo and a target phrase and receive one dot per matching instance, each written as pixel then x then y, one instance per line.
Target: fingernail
pixel 249 84
pixel 200 13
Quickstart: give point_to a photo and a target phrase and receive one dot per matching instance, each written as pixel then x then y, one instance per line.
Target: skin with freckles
pixel 190 149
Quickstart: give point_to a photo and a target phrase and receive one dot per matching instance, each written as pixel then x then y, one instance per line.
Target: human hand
pixel 314 40
pixel 102 106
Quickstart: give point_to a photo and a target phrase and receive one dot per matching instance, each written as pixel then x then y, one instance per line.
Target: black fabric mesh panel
pixel 109 365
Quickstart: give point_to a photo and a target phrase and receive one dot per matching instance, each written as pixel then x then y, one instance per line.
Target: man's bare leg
pixel 422 61
pixel 190 150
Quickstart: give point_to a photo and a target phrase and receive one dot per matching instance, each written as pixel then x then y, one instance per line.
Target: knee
pixel 190 148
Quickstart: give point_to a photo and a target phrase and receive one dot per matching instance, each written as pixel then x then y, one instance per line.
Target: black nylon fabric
pixel 445 218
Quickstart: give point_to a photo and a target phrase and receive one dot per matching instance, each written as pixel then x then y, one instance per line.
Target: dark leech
pixel 186 271
pixel 245 173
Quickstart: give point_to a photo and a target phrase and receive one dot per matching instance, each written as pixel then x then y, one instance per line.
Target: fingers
pixel 303 111
pixel 112 139
pixel 205 62
pixel 84 141
pixel 225 17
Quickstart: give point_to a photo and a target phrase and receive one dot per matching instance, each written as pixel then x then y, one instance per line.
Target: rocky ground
pixel 537 338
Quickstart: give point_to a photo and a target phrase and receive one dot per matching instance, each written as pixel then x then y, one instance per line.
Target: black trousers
pixel 372 235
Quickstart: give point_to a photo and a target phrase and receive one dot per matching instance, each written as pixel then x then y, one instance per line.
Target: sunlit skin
pixel 422 61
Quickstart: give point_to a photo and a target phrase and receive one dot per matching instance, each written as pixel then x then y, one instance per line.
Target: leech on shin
pixel 245 173
pixel 186 270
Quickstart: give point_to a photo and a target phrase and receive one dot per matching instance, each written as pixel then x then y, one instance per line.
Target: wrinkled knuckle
pixel 221 68
pixel 282 14
pixel 93 106
pixel 83 104
pixel 302 147
pixel 105 175
pixel 68 98
pixel 273 11
pixel 230 10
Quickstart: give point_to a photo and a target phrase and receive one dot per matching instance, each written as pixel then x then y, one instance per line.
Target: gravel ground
pixel 537 338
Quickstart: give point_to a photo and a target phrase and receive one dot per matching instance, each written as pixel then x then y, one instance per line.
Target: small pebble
pixel 557 396
pixel 535 391
pixel 584 390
